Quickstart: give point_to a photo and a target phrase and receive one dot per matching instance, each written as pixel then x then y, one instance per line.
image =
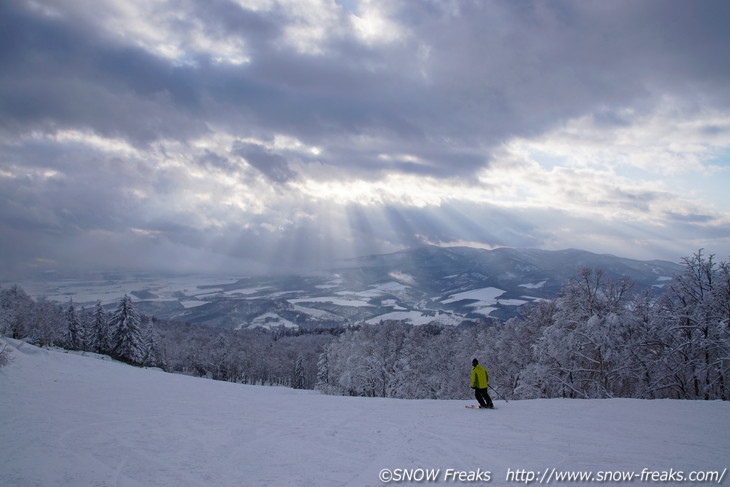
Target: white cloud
pixel 392 189
pixel 311 24
pixel 615 171
pixel 109 145
pixel 373 24
pixel 665 141
pixel 165 28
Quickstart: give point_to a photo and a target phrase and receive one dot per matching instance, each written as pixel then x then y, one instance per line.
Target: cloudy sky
pixel 236 134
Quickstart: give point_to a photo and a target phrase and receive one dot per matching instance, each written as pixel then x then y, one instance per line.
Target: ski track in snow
pixel 72 420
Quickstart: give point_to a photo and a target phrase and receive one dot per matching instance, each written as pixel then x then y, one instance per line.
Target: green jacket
pixel 479 377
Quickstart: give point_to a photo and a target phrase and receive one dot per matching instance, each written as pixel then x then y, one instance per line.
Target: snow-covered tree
pixel 395 359
pixel 581 353
pixel 98 333
pixel 75 337
pixel 5 357
pixel 323 371
pixel 220 358
pixel 17 309
pixel 596 339
pixel 299 379
pixel 516 368
pixel 694 329
pixel 150 357
pixel 126 336
pixel 46 323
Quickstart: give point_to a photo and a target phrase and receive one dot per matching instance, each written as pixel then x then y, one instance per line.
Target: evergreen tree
pixel 150 357
pixel 127 340
pixel 99 332
pixel 323 371
pixel 300 380
pixel 74 332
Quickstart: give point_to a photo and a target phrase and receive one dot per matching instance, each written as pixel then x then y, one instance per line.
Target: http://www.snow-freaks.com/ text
pixel 548 476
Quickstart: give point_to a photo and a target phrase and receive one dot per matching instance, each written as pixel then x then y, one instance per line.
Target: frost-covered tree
pixel 17 309
pixel 642 350
pixel 323 371
pixel 582 352
pixel 218 354
pixel 75 337
pixel 5 357
pixel 126 336
pixel 450 358
pixel 98 333
pixel 220 365
pixel 694 330
pixel 150 357
pixel 411 377
pixel 516 369
pixel 362 365
pixel 299 379
pixel 395 359
pixel 46 324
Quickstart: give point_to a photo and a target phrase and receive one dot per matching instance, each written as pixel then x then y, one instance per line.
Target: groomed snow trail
pixel 72 420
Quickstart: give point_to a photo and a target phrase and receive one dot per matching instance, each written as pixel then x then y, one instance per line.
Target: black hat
pixel 475 362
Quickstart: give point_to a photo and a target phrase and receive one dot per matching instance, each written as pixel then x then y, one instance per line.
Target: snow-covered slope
pixel 71 420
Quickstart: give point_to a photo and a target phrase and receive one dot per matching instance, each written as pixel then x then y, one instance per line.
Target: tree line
pixel 118 334
pixel 598 338
pixel 278 357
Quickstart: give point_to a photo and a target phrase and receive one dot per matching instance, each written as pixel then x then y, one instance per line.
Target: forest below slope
pixel 598 338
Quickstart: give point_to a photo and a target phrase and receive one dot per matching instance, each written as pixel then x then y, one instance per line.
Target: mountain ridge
pixel 427 284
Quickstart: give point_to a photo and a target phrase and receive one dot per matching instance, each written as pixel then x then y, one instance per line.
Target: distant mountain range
pixel 449 286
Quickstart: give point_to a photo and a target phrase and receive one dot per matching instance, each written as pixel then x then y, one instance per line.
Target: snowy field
pixel 110 291
pixel 486 298
pixel 72 420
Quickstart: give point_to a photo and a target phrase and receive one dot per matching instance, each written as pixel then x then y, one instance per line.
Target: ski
pixel 477 407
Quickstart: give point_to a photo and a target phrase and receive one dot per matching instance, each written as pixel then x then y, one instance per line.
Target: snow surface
pixel 403 277
pixel 355 303
pixel 192 303
pixel 413 317
pixel 109 291
pixel 72 420
pixel 485 299
pixel 393 303
pixel 484 296
pixel 314 312
pixel 511 302
pixel 394 286
pixel 418 318
pixel 271 320
pixel 532 285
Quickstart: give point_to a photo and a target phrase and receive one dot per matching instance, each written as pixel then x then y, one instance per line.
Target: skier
pixel 480 382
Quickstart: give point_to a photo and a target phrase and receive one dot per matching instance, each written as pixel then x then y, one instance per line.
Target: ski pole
pixel 497 393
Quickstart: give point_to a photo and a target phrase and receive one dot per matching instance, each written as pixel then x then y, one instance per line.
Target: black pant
pixel 482 396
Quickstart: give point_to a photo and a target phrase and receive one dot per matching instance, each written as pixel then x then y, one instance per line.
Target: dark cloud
pixel 692 218
pixel 60 75
pixel 438 101
pixel 270 164
pixel 67 193
pixel 464 78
